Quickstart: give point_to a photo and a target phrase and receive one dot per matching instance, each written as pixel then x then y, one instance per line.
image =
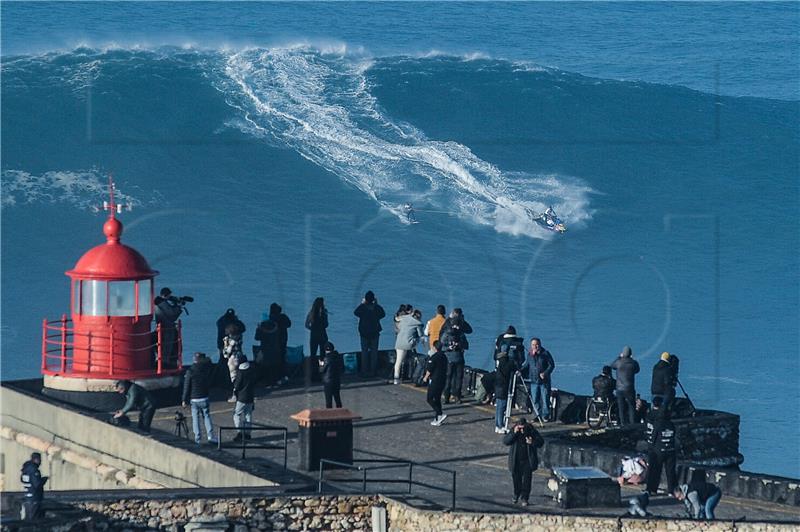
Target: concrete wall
pixel 90 452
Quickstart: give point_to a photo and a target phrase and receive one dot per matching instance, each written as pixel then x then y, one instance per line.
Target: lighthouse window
pixel 93 298
pixel 121 298
pixel 145 298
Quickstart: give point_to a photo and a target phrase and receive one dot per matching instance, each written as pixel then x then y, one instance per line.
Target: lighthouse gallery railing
pixel 58 343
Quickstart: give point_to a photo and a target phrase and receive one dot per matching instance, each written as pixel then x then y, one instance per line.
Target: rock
pixel 344 507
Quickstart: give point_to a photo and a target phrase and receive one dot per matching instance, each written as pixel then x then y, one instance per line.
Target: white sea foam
pixel 83 188
pixel 321 106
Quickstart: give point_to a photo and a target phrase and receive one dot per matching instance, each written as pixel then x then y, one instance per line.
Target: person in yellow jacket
pixel 434 327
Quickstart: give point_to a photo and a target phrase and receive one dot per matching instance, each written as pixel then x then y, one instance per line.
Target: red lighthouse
pixel 110 335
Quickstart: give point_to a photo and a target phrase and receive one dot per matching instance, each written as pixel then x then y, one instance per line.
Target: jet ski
pixel 550 221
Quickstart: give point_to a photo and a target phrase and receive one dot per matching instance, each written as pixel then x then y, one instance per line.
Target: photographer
pixel 369 314
pixel 505 369
pixel 515 344
pixel 625 392
pixel 454 342
pixel 665 378
pixel 168 309
pixel 523 459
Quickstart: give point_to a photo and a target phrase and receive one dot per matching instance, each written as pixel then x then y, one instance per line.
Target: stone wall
pixel 406 518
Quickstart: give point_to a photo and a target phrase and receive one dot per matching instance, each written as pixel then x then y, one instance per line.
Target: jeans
pixel 398 362
pixel 540 397
pixel 454 380
pixel 626 404
pixel 145 418
pixel 434 397
pixel 331 390
pixel 200 407
pixel 369 355
pixel 500 412
pixel 243 410
pixel 711 503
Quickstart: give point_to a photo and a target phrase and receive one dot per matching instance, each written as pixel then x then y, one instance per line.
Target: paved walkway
pixel 395 424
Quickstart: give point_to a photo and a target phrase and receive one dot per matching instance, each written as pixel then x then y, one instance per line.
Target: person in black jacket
pixel 33 482
pixel 516 346
pixel 331 367
pixel 627 368
pixel 283 323
pixel 665 378
pixel 502 381
pixel 244 390
pixel 454 342
pixel 317 324
pixel 226 319
pixel 523 459
pixel 369 314
pixel 435 374
pixel 196 388
pixel 661 448
pixel 603 385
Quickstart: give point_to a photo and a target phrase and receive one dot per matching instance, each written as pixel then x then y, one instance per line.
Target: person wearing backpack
pixel 515 344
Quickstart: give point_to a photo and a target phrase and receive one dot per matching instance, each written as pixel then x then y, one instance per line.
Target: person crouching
pixel 331 367
pixel 523 460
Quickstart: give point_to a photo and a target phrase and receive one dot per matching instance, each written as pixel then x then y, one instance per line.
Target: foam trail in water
pixel 320 105
pixel 83 188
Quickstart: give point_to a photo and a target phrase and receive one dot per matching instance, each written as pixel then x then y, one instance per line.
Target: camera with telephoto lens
pixel 179 416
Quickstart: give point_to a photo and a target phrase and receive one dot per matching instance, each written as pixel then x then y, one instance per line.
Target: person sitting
pixel 604 385
pixel 699 496
pixel 632 470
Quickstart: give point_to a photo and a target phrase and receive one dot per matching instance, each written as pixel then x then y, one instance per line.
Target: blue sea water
pixel 267 147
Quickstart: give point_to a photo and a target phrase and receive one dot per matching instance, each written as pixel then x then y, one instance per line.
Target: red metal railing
pixel 104 353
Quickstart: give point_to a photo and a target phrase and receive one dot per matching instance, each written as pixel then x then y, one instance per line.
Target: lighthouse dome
pixel 112 260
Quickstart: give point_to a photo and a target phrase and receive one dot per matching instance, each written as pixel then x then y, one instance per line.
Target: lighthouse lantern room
pixel 109 335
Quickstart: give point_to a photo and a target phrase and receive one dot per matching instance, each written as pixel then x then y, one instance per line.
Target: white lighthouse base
pixel 101 396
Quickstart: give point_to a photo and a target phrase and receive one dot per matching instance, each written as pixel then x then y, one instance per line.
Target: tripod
pixel 516 380
pixel 181 429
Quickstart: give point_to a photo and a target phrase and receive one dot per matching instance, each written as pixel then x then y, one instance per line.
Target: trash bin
pixel 583 487
pixel 325 433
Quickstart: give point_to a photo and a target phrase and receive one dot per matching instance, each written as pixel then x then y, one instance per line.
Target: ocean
pixel 267 149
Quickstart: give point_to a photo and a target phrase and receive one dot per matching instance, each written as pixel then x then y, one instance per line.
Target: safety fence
pixel 244 440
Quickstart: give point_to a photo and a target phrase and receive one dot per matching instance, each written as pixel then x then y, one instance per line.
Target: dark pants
pixel 435 397
pixel 626 404
pixel 666 399
pixel 369 355
pixel 316 343
pixel 656 460
pixel 31 509
pixel 146 418
pixel 522 482
pixel 332 393
pixel 454 379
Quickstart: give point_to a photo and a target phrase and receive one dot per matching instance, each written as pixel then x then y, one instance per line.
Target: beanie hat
pixel 665 356
pixel 369 297
pixel 627 352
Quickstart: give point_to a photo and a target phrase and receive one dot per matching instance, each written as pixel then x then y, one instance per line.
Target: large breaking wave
pixel 318 102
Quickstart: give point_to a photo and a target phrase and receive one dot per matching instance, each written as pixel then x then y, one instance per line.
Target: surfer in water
pixel 408 210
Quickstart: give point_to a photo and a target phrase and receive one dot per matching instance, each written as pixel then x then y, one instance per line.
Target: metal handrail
pixel 244 441
pixel 410 481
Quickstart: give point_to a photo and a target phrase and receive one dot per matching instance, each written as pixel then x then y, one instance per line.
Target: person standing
pixel 33 482
pixel 454 342
pixel 523 460
pixel 540 366
pixel 232 352
pixel 136 397
pixel 435 375
pixel 369 314
pixel 699 496
pixel 283 323
pixel 226 319
pixel 244 392
pixel 516 346
pixel 661 448
pixel 196 388
pixel 665 379
pixel 409 331
pixel 167 311
pixel 331 367
pixel 625 392
pixel 433 328
pixel 505 369
pixel 317 324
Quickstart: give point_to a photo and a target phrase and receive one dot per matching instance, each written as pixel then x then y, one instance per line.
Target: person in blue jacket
pixel 540 365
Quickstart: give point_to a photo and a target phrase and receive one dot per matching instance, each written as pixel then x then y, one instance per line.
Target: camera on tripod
pixel 179 416
pixel 179 302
